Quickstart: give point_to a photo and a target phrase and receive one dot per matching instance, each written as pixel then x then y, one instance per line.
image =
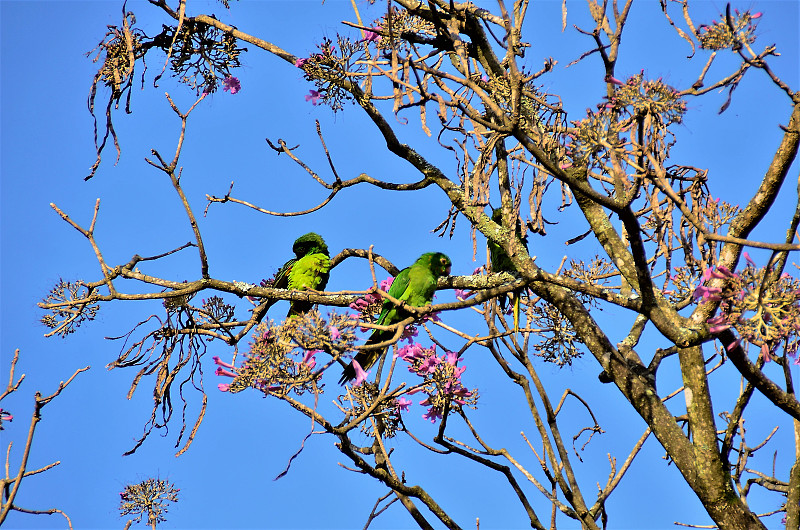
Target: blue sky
pixel 226 478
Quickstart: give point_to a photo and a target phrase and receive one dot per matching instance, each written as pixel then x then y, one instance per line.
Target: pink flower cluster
pixel 462 294
pixel 372 36
pixel 442 377
pixel 229 370
pixel 362 304
pixel 712 294
pixel 221 370
pixel 720 35
pixel 765 315
pixel 231 84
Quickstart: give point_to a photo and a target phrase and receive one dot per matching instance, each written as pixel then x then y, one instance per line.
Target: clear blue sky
pixel 226 478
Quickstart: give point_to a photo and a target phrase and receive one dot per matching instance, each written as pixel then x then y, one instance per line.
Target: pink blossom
pixel 371 36
pixel 707 293
pixel 410 352
pixel 220 362
pixel 718 328
pixel 359 305
pixel 756 15
pixel 718 275
pixel 462 294
pixel 749 259
pixel 386 284
pixel 462 392
pixel 231 84
pixel 734 344
pixel 409 333
pixel 335 333
pixel 428 366
pixel 725 271
pixel 610 79
pixel 566 165
pixel 221 371
pixel 361 375
pixel 224 387
pixel 457 392
pixel 5 415
pixel 433 414
pixel 403 404
pixel 308 358
pixel 301 62
pixel 478 270
pixel 451 358
pixel 313 96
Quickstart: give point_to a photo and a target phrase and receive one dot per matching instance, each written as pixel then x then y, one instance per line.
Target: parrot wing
pixel 309 272
pixel 281 280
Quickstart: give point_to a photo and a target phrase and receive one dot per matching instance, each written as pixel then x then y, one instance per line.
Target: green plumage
pixel 309 269
pixel 415 286
pixel 501 262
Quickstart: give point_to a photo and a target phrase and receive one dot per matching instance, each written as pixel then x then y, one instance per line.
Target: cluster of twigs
pixel 10 484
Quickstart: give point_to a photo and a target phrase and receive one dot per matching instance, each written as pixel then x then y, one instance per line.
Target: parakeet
pixel 415 286
pixel 309 269
pixel 502 263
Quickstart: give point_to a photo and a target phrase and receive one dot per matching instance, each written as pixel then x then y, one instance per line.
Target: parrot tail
pixel 366 358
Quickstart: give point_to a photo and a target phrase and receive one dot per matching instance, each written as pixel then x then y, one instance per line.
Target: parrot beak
pixel 447 270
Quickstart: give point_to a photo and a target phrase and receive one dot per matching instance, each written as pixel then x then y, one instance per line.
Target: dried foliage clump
pixel 282 358
pixel 149 499
pixel 66 316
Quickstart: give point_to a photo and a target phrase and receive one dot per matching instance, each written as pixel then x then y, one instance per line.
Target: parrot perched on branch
pixel 309 269
pixel 502 263
pixel 415 286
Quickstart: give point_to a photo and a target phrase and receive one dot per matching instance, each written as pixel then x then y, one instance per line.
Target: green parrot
pixel 309 269
pixel 502 263
pixel 415 286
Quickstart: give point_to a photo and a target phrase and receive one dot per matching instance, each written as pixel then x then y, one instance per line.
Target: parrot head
pixel 438 263
pixel 310 243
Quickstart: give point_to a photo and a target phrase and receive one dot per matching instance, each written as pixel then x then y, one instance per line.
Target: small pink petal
pixel 220 362
pixel 361 375
pixel 733 345
pixel 718 328
pixel 221 371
